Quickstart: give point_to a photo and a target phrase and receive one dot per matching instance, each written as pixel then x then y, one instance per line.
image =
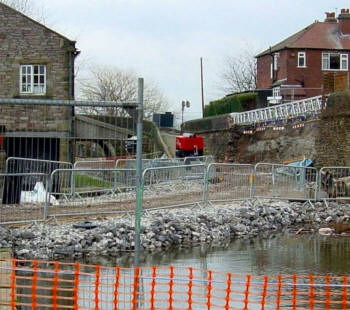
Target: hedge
pixel 232 103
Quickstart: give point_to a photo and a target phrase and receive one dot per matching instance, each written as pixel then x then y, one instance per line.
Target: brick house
pixel 35 62
pixel 296 67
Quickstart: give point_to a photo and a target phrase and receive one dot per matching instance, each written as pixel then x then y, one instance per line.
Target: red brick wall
pixel 312 75
pixel 263 72
pixel 344 25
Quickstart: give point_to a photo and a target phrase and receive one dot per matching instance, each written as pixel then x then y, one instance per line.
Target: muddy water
pixel 275 254
pixel 270 255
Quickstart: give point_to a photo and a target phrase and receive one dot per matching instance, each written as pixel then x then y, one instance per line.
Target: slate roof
pixel 318 35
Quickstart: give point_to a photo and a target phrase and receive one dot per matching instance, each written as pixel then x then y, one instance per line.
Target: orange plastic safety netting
pixel 56 285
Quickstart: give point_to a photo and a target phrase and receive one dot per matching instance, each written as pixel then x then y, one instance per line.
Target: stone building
pixel 35 62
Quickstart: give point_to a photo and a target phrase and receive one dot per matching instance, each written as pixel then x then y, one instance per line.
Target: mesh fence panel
pixel 285 182
pixel 229 182
pixel 41 285
pixel 175 185
pixel 23 197
pixel 334 183
pixel 92 191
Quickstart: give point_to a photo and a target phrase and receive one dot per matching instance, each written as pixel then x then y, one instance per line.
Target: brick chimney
pixel 330 17
pixel 344 21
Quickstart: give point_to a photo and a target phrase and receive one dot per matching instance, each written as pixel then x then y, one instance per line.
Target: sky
pixel 163 40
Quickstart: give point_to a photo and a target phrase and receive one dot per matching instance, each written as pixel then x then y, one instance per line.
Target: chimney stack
pixel 330 17
pixel 344 21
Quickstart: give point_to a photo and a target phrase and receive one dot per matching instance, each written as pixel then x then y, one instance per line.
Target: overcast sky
pixel 163 40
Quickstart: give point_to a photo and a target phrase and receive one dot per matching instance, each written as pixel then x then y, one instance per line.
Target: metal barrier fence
pixel 150 163
pixel 130 163
pixel 305 107
pixel 227 182
pixel 91 191
pixel 31 165
pixel 55 285
pixel 205 159
pixel 95 189
pixel 95 164
pixel 23 197
pixel 334 183
pixel 285 182
pixel 173 186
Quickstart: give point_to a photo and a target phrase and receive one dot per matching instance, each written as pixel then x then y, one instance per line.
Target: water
pixel 277 254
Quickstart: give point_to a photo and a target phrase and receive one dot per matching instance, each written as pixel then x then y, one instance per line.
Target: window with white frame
pixel 301 59
pixel 334 61
pixel 33 79
pixel 276 91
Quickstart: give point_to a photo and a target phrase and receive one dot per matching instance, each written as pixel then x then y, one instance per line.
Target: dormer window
pixel 301 59
pixel 334 61
pixel 33 79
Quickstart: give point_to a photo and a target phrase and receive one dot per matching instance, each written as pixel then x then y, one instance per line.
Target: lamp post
pixel 183 105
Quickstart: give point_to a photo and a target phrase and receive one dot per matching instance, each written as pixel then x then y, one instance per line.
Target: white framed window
pixel 335 61
pixel 276 92
pixel 275 61
pixel 301 59
pixel 33 79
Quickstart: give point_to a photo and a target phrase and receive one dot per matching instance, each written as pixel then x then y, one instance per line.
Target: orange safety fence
pixel 39 285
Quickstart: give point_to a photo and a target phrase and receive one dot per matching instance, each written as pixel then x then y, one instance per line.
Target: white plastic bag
pixel 38 195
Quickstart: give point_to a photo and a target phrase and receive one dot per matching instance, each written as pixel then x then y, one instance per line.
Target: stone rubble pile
pixel 164 229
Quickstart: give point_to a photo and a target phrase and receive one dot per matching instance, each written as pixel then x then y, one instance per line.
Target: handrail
pixel 279 112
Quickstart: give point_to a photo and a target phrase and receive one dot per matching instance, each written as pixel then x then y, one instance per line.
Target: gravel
pixel 185 227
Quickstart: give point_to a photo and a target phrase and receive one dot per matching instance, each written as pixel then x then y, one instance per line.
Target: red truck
pixel 189 145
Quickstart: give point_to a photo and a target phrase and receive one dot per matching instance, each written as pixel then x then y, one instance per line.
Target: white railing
pixel 305 107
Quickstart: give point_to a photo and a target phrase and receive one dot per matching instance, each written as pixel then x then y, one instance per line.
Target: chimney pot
pixel 330 17
pixel 344 11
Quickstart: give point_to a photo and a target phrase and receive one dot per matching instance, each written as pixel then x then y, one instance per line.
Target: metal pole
pixel 183 103
pixel 139 187
pixel 202 89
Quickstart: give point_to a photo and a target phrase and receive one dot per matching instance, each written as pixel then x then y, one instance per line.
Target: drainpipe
pixel 272 67
pixel 72 54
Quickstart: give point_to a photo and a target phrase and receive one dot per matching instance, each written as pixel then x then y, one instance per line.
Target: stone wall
pixel 277 145
pixel 270 145
pixel 26 42
pixel 333 138
pixel 326 141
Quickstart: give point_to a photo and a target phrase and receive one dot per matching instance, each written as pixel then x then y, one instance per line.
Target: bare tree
pixel 29 8
pixel 239 73
pixel 112 84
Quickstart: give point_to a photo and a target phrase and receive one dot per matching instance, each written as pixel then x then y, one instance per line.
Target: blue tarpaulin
pixel 301 163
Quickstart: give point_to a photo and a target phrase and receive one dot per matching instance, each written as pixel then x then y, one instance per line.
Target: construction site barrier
pixel 130 163
pixel 32 196
pixel 31 165
pixel 173 186
pixel 334 183
pixel 22 197
pixel 227 182
pixel 32 284
pixel 90 191
pixel 95 164
pixel 285 182
pixel 205 159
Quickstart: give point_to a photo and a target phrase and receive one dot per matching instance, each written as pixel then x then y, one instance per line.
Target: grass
pixel 83 180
